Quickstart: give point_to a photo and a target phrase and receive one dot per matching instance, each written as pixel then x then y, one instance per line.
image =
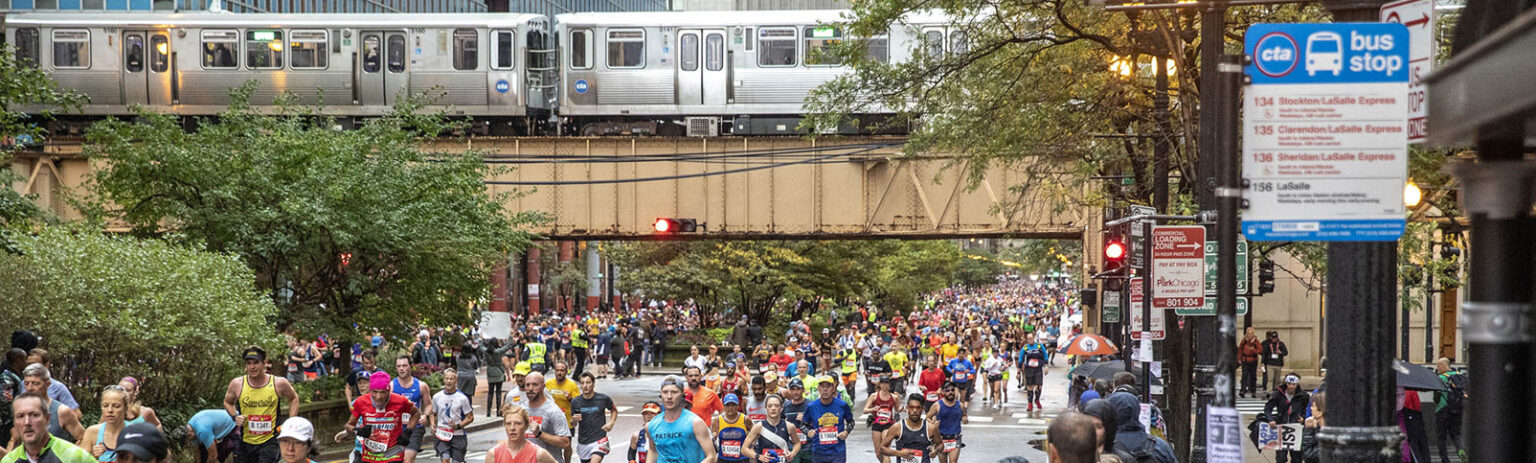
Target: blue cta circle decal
pixel 502 86
pixel 581 86
pixel 1276 54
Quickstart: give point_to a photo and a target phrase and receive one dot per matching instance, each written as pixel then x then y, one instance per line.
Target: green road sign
pixel 1111 307
pixel 1210 308
pixel 1210 267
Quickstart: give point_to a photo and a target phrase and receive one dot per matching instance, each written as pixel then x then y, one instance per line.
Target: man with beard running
pixel 594 415
pixel 547 427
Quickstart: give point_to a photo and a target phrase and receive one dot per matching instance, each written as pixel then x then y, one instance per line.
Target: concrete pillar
pixel 613 286
pixel 499 289
pixel 567 253
pixel 531 271
pixel 594 277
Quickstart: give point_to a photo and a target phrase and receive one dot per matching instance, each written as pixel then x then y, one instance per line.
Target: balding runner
pixel 547 427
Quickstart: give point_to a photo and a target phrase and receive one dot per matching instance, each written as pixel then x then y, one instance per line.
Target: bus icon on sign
pixel 1325 52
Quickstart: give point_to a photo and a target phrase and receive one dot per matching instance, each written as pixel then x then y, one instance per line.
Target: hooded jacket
pixel 1130 437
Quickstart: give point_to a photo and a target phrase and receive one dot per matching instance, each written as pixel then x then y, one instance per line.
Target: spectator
pixel 1248 354
pixel 1287 405
pixel 1131 438
pixel 1071 439
pixel 1105 424
pixel 1448 407
pixel 1274 353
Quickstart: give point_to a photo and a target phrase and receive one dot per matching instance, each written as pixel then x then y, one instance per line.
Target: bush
pixel 109 307
pixel 329 387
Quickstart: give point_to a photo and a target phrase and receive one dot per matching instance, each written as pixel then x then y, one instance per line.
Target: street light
pixel 1412 195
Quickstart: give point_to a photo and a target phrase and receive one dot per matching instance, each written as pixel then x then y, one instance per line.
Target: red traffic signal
pixel 1114 255
pixel 668 225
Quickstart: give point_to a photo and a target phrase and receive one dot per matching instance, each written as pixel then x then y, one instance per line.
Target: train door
pixel 701 74
pixel 381 70
pixel 161 73
pixel 135 79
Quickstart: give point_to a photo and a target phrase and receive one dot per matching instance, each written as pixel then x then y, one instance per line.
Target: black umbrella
pixel 1416 377
pixel 1106 371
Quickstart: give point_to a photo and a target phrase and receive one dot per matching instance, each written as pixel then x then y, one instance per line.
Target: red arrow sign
pixel 1422 21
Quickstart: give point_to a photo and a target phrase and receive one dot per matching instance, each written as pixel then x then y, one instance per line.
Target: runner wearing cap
pixel 593 414
pixel 639 444
pixel 730 430
pixel 830 421
pixel 678 435
pixel 297 440
pixel 774 437
pixel 515 395
pixel 451 413
pixel 961 372
pixel 378 420
pixel 142 443
pixel 794 413
pixel 252 400
pixel 517 448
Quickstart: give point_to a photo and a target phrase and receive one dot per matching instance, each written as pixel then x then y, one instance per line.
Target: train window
pixel 504 49
pixel 933 40
pixel 749 40
pixel 688 51
pixel 371 53
pixel 308 49
pixel 27 44
pixel 395 51
pixel 957 43
pixel 221 49
pixel 133 53
pixel 71 49
pixel 819 43
pixel 878 49
pixel 776 46
pixel 581 49
pixel 264 49
pixel 466 49
pixel 159 53
pixel 626 48
pixel 714 52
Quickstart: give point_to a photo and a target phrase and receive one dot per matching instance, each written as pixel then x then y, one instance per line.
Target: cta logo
pixel 1276 54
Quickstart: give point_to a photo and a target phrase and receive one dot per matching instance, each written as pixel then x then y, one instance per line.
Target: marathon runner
pixel 516 448
pixel 961 372
pixel 252 400
pixel 896 358
pixel 757 406
pixel 378 420
pixel 37 445
pixel 931 381
pixel 794 413
pixel 995 365
pixel 914 440
pixel 452 413
pixel 848 358
pixel 420 394
pixel 639 442
pixel 593 414
pixel 515 395
pixel 881 408
pixel 949 414
pixel 547 427
pixel 1033 360
pixel 678 435
pixel 357 383
pixel 730 430
pixel 830 421
pixel 774 439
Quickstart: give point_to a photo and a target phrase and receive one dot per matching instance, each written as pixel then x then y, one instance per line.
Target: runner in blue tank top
pixel 950 413
pixel 421 395
pixel 677 435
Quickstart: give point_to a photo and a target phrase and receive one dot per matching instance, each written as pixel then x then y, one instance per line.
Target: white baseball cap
pixel 297 427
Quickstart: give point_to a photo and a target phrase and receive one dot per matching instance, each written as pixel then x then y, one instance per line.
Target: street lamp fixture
pixel 1412 195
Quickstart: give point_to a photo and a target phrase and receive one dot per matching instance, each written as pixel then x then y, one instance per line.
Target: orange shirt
pixel 706 403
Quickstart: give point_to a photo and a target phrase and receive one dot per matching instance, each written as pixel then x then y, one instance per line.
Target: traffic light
pixel 1089 297
pixel 1114 255
pixel 1266 277
pixel 668 225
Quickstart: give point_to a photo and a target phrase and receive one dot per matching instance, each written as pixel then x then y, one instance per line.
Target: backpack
pixel 1142 454
pixel 1456 392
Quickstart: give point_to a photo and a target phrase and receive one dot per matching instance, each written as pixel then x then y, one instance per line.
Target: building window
pixel 957 43
pixel 933 40
pixel 133 53
pixel 504 49
pixel 371 55
pixel 466 49
pixel 776 46
pixel 221 49
pixel 688 51
pixel 264 49
pixel 878 49
pixel 581 49
pixel 27 45
pixel 714 52
pixel 396 52
pixel 308 49
pixel 71 49
pixel 626 48
pixel 159 53
pixel 819 45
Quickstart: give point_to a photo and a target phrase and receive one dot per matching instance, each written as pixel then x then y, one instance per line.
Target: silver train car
pixel 492 67
pixel 706 73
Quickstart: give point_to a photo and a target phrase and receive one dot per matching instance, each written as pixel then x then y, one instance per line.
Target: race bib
pixel 259 424
pixel 1034 363
pixel 932 397
pixel 1274 356
pixel 950 445
pixel 917 456
pixel 602 445
pixel 757 416
pixel 883 417
pixel 828 435
pixel 445 433
pixel 533 423
pixel 375 446
pixel 730 448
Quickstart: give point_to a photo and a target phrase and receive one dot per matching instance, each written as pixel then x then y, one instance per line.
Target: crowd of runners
pixel 764 398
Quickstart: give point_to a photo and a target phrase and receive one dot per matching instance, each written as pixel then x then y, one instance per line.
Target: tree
pixel 110 307
pixel 23 85
pixel 344 229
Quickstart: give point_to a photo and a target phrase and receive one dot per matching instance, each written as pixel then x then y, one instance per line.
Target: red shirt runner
pixel 931 380
pixel 381 443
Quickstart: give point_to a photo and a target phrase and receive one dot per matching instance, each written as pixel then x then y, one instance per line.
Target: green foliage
pixel 329 387
pixel 23 86
pixel 341 227
pixel 1039 257
pixel 108 307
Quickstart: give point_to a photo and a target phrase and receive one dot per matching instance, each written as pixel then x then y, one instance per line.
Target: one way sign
pixel 1419 17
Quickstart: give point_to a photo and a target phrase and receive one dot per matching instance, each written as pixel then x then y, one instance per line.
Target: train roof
pixel 315 20
pixel 725 18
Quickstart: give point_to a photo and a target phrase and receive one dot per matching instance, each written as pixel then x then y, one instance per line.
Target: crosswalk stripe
pixel 624 408
pixel 981 419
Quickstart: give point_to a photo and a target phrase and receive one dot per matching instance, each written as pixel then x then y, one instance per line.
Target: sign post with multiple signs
pixel 1419 17
pixel 1178 267
pixel 1325 138
pixel 1209 309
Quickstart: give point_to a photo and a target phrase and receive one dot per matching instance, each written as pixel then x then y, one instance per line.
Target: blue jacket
pixel 818 414
pixel 1130 436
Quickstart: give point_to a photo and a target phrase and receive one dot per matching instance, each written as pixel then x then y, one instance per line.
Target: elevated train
pixel 666 73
